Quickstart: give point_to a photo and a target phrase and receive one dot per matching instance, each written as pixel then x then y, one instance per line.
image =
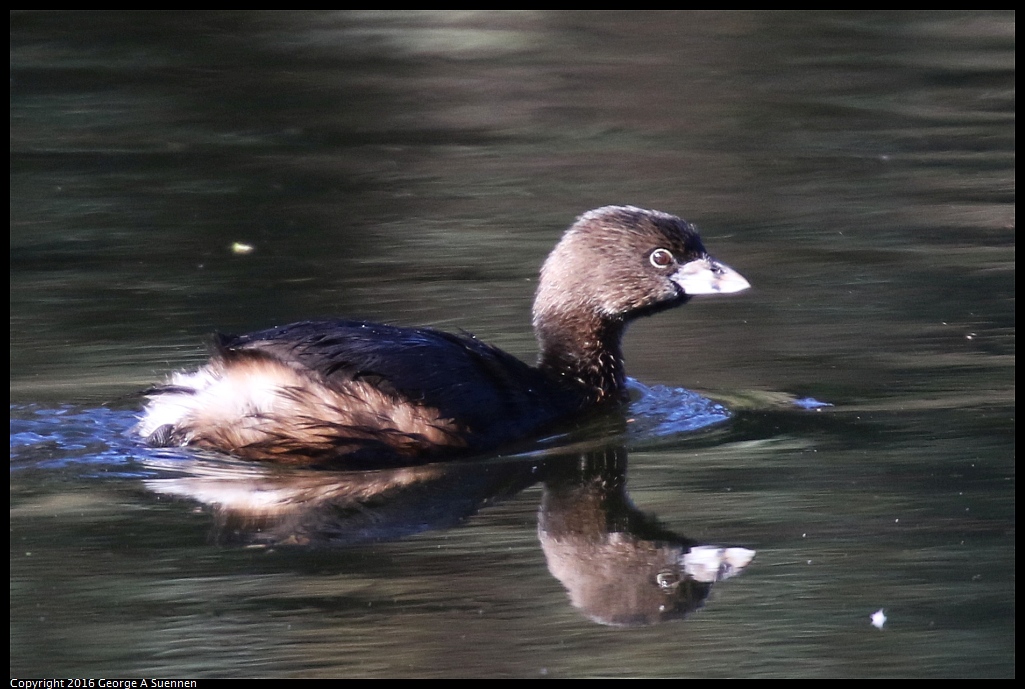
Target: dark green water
pixel 858 169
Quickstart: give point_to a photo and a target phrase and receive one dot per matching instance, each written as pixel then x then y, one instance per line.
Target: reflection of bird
pixel 261 504
pixel 619 565
pixel 316 391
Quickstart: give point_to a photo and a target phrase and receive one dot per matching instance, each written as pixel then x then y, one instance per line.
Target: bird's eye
pixel 660 258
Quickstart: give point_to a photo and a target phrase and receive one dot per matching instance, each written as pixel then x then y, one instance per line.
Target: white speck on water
pixel 878 618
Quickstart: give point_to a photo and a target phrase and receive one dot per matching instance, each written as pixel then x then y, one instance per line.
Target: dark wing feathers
pixel 493 394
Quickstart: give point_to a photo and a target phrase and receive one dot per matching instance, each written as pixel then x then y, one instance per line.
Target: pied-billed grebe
pixel 318 392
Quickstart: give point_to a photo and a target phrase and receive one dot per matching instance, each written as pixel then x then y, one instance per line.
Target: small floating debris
pixel 878 618
pixel 241 248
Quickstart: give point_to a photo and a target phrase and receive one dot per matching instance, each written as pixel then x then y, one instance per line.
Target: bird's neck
pixel 583 349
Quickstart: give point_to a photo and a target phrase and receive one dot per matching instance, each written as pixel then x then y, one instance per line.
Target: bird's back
pixel 313 391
